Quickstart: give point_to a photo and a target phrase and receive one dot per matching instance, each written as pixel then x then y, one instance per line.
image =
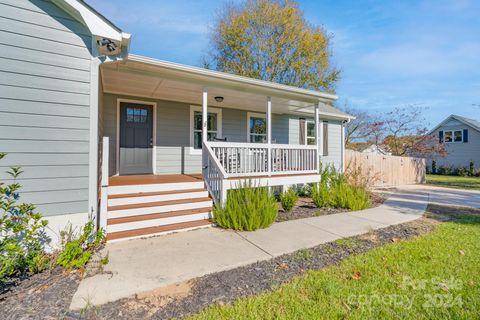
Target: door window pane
pixel 137 115
pixel 129 114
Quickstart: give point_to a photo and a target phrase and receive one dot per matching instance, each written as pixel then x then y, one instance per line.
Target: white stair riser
pixel 164 197
pixel 160 233
pixel 156 222
pixel 137 188
pixel 159 209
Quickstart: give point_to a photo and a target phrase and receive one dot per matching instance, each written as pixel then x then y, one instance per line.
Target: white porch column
pixel 317 134
pixel 269 135
pixel 204 114
pixel 204 126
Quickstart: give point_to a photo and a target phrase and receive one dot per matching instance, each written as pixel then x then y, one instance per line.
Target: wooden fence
pixel 386 171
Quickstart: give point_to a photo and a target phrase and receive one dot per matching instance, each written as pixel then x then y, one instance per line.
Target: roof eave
pixel 222 76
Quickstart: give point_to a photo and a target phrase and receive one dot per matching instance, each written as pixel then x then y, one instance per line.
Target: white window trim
pixel 218 111
pixel 307 121
pixel 255 115
pixel 453 136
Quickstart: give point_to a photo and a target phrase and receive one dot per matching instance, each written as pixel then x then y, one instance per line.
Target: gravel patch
pixel 227 286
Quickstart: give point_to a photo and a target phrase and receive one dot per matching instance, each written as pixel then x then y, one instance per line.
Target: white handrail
pixel 213 144
pixel 257 159
pixel 214 175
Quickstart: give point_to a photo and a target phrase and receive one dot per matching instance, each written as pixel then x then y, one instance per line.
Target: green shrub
pixel 22 232
pixel 78 251
pixel 247 208
pixel 288 199
pixel 471 168
pixel 335 191
pixel 445 170
pixel 460 171
pixel 434 166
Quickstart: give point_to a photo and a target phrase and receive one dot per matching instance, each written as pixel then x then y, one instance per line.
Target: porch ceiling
pixel 143 80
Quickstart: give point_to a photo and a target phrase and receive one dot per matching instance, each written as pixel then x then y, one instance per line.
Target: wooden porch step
pixel 157 204
pixel 161 215
pixel 148 194
pixel 158 229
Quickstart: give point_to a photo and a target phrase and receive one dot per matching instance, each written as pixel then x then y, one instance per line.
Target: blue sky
pixel 391 52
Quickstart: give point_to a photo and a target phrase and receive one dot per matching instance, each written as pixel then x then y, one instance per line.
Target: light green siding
pixel 44 104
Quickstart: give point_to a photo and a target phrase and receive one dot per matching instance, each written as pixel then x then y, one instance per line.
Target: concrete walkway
pixel 143 265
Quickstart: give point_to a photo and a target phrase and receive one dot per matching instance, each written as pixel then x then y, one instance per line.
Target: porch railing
pixel 231 160
pixel 252 159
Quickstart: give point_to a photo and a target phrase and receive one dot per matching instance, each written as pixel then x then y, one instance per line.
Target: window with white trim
pixel 310 133
pixel 453 136
pixel 257 127
pixel 214 126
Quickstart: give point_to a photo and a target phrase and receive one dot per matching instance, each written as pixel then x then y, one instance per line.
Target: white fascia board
pixel 311 94
pixel 441 124
pixel 96 23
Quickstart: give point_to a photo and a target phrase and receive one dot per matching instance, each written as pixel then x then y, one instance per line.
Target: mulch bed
pixel 46 295
pixel 227 286
pixel 306 209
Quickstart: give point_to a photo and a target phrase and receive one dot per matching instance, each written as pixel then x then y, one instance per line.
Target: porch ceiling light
pixel 218 98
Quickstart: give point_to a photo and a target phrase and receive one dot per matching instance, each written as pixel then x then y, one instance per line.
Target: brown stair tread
pixel 161 215
pixel 157 204
pixel 158 229
pixel 146 194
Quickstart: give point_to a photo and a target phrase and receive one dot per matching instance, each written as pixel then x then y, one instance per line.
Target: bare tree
pixel 405 133
pixel 365 128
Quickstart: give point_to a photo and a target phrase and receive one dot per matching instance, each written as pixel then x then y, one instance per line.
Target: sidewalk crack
pixel 255 245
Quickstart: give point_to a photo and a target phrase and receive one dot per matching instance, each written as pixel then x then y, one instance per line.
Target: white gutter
pixel 322 96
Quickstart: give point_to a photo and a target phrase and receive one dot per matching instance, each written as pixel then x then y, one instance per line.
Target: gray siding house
pixel 462 139
pixel 140 145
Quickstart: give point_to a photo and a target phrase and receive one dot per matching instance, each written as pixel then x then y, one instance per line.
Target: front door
pixel 136 138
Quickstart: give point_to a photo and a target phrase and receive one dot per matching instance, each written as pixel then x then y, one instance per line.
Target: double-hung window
pixel 453 136
pixel 257 127
pixel 214 126
pixel 310 133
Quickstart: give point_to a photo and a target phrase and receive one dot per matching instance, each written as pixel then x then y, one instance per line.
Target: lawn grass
pixel 429 277
pixel 472 183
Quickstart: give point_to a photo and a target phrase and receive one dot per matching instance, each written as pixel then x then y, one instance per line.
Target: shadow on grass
pixel 462 215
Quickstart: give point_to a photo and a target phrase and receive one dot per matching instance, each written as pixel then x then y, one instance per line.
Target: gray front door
pixel 136 138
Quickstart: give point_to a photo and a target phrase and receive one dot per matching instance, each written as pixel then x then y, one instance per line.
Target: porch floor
pixel 153 179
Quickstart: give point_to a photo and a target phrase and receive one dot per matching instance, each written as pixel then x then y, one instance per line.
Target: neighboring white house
pixel 462 139
pixel 141 145
pixel 376 149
